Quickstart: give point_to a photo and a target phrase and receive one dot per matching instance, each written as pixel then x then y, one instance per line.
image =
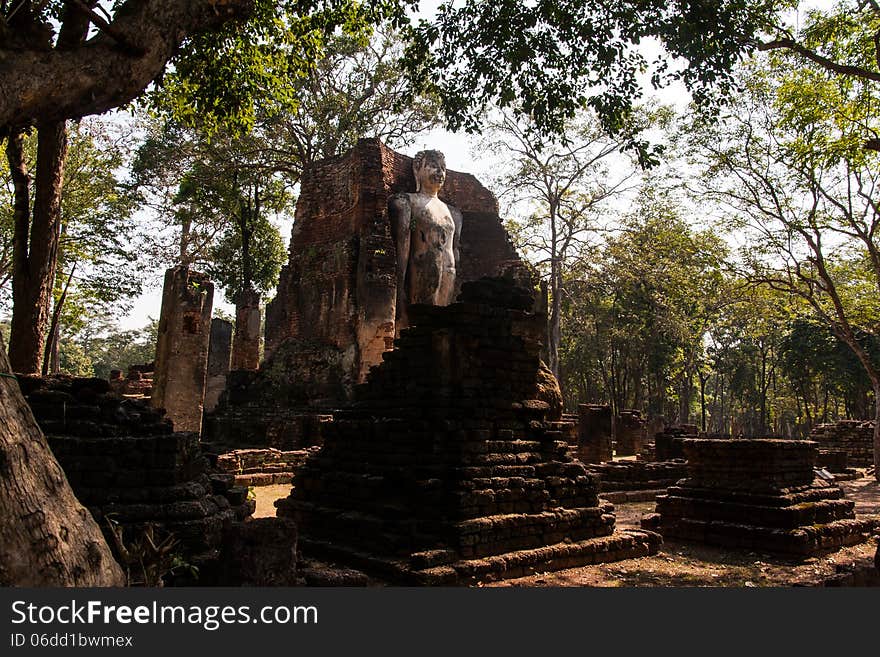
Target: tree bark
pixel 36 252
pixel 50 358
pixel 47 538
pixel 106 71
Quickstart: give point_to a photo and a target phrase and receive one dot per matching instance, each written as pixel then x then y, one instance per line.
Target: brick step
pixel 508 447
pixel 264 479
pixel 626 544
pixel 470 538
pixel 802 541
pixel 651 484
pixel 790 517
pixel 495 534
pixel 782 498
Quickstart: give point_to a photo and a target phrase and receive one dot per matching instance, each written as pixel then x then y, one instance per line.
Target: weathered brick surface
pixel 855 437
pixel 627 476
pixel 182 347
pixel 594 433
pixel 334 312
pixel 758 494
pixel 667 443
pixel 629 432
pixel 259 467
pixel 246 343
pixel 125 462
pixel 260 552
pixel 219 354
pixel 446 471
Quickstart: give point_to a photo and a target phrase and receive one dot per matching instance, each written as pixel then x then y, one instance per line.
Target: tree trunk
pixel 703 379
pixel 555 337
pixel 36 251
pixel 50 359
pixel 47 538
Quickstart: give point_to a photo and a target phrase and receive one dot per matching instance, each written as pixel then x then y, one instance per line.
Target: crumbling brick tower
pixel 446 470
pixel 335 304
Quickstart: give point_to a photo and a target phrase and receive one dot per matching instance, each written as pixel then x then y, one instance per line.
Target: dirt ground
pixel 684 564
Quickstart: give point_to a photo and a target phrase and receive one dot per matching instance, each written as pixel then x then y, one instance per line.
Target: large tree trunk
pixel 47 538
pixel 36 251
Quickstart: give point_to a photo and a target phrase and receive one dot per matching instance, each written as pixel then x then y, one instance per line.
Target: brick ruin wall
pixel 853 437
pixel 336 295
pixel 757 494
pixel 126 464
pixel 629 432
pixel 260 467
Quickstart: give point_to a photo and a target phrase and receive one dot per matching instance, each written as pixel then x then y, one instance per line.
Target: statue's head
pixel 429 166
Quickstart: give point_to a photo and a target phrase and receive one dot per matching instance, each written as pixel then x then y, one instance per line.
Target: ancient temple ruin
pixel 446 470
pixel 338 288
pixel 758 494
pixel 129 467
pixel 333 316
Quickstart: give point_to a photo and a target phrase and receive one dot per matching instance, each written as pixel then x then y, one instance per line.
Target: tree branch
pixel 824 62
pixel 127 46
pixel 97 76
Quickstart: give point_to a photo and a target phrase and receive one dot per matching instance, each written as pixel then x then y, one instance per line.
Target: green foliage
pixel 98 236
pixel 200 187
pixel 638 309
pixel 551 58
pixel 74 360
pixel 108 348
pixel 195 176
pixel 225 264
pixel 220 78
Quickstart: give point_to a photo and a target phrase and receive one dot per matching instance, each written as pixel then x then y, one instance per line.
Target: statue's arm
pixel 400 212
pixel 456 239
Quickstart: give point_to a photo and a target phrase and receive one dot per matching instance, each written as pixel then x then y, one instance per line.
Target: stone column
pixel 594 433
pixel 629 432
pixel 218 361
pixel 246 343
pixel 182 347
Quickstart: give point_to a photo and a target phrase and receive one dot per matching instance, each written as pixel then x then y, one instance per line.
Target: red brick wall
pixel 339 285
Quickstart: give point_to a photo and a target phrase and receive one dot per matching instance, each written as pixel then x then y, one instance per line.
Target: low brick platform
pixel 636 481
pixel 854 437
pixel 126 464
pixel 446 471
pixel 758 495
pixel 259 467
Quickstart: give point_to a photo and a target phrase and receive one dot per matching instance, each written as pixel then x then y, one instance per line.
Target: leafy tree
pixel 793 182
pixel 639 308
pixel 820 368
pixel 96 257
pixel 552 58
pixel 834 48
pixel 107 348
pixel 557 193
